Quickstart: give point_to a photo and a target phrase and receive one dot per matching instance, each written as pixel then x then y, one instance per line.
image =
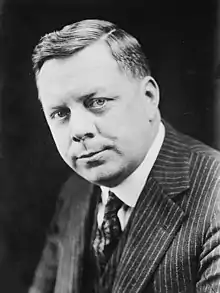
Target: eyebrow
pixel 88 96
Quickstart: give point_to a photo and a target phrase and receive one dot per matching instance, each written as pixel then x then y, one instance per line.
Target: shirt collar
pixel 129 190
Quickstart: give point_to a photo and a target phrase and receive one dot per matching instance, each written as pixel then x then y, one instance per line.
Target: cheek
pixel 132 129
pixel 117 125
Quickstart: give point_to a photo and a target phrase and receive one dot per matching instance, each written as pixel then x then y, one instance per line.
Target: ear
pixel 151 90
pixel 151 93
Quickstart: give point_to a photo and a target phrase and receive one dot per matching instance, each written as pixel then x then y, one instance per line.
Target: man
pixel 101 105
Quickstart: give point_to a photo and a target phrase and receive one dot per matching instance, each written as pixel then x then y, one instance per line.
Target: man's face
pixel 98 116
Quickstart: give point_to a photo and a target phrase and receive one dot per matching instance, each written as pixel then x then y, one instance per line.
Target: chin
pixel 108 178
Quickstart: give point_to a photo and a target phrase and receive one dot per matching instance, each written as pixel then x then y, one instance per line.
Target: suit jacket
pixel 173 245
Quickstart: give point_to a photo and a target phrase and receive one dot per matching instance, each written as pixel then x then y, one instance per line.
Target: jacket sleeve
pixel 209 279
pixel 45 274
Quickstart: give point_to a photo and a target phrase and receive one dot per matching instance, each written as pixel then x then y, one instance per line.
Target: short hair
pixel 125 49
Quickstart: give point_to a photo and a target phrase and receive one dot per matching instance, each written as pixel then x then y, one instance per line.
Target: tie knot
pixel 113 204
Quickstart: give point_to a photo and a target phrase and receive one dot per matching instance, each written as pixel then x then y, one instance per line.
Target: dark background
pixel 178 38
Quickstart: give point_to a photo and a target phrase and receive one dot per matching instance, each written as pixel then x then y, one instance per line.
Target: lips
pixel 88 155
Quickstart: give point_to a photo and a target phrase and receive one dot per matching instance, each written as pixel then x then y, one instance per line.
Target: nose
pixel 82 126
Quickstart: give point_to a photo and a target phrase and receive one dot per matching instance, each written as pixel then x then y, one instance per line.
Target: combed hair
pixel 124 48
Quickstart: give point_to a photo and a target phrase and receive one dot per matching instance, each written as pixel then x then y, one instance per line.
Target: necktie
pixel 108 235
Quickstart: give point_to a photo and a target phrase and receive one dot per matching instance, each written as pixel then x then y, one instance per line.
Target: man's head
pixel 99 99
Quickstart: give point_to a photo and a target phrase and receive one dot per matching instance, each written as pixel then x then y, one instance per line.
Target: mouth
pixel 91 154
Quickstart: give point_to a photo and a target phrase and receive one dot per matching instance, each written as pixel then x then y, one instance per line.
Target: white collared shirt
pixel 130 189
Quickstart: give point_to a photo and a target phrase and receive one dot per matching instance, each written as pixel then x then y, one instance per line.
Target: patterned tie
pixel 108 235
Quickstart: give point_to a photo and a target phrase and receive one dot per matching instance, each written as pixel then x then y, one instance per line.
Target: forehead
pixel 94 66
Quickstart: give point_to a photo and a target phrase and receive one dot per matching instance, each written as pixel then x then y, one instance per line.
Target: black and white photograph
pixel 109 146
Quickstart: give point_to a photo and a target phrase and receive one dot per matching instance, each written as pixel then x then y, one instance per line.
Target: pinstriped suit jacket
pixel 173 244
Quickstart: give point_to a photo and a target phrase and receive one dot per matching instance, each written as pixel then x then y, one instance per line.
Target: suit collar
pixel 156 220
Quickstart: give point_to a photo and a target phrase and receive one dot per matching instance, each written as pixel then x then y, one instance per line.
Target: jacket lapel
pixel 157 216
pixel 74 224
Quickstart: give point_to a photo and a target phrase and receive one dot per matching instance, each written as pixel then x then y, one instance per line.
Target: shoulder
pixel 194 148
pixel 75 184
pixel 200 163
pixel 72 203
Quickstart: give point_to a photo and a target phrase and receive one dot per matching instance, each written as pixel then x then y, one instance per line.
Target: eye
pixel 96 103
pixel 61 114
